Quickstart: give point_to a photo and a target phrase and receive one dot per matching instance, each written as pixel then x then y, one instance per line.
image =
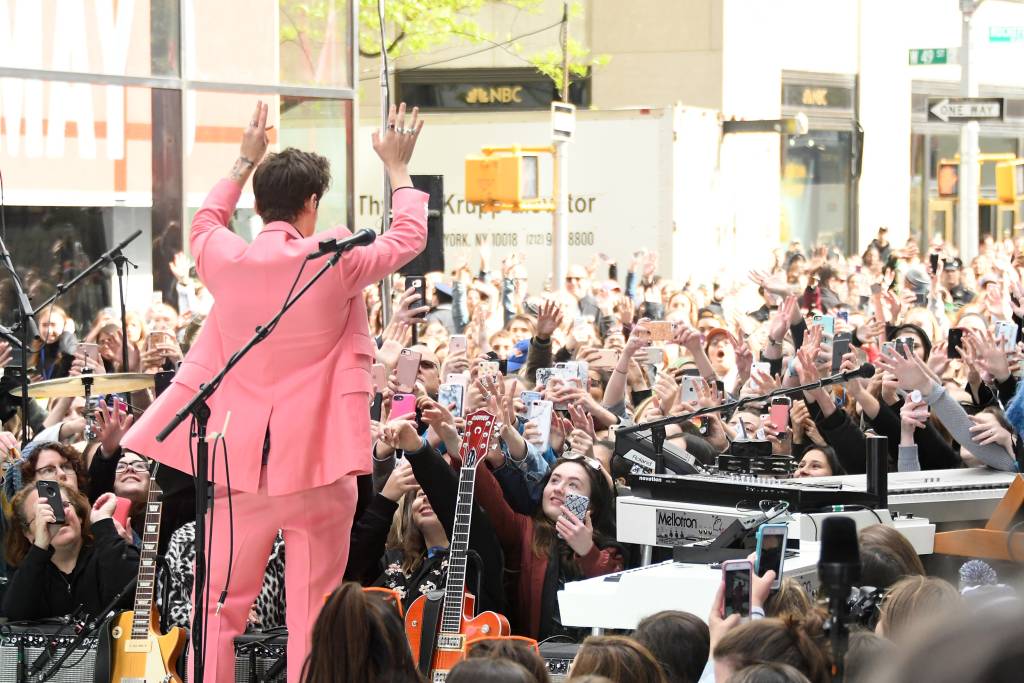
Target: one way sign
pixel 965 108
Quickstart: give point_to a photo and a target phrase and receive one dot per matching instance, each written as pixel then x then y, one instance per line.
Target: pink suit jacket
pixel 310 379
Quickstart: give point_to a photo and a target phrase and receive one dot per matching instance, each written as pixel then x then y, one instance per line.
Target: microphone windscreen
pixel 867 371
pixel 839 541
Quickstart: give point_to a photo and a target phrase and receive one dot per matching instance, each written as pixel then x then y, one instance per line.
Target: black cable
pixel 474 52
pixel 209 555
pixel 811 517
pixel 231 524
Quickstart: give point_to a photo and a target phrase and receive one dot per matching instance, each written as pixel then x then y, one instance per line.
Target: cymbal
pixel 101 384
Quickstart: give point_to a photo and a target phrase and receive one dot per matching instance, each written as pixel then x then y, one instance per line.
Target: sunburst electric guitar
pixel 458 625
pixel 140 653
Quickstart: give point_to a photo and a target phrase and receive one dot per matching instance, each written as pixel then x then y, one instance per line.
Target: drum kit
pixel 89 385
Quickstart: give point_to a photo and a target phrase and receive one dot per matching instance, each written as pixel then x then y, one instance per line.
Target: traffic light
pixel 1010 181
pixel 507 179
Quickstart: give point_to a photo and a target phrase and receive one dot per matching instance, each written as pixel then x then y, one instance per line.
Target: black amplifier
pixel 558 657
pixel 260 656
pixel 22 645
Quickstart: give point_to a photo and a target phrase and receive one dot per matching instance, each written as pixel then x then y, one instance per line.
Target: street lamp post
pixel 968 180
pixel 560 220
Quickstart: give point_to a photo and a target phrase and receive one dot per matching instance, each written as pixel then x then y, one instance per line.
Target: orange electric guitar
pixel 458 626
pixel 139 653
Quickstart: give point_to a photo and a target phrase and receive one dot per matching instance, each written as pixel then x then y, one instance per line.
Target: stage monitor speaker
pixel 558 658
pixel 257 653
pixel 432 257
pixel 21 645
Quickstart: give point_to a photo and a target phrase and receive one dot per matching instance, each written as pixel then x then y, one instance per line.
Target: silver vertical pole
pixel 969 170
pixel 385 290
pixel 560 224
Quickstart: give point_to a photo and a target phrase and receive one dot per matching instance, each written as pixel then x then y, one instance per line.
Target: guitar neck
pixel 454 590
pixel 147 564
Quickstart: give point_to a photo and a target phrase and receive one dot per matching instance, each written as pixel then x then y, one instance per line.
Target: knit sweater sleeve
pixel 956 421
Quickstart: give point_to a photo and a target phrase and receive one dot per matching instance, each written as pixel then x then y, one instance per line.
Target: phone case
pixel 528 397
pixel 50 490
pixel 539 412
pixel 1007 331
pixel 737 576
pixel 121 511
pixel 688 389
pixel 448 394
pixel 780 531
pixel 543 375
pixel 578 505
pixel 402 405
pixel 954 340
pixel 827 323
pixel 457 344
pixel 661 330
pixel 408 369
pixel 779 413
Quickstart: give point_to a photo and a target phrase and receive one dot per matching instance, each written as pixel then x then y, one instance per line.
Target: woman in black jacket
pixel 83 562
pixel 414 552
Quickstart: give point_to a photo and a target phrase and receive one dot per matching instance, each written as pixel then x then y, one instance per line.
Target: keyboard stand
pixel 1000 539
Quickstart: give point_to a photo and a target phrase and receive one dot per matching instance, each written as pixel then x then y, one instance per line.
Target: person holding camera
pixel 84 561
pixel 301 399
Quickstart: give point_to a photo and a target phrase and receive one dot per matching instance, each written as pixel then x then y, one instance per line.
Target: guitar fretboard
pixel 479 425
pixel 147 564
pixel 451 617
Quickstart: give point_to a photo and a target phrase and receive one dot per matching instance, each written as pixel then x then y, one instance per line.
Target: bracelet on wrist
pixel 247 162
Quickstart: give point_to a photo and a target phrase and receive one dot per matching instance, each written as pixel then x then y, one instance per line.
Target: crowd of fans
pixel 614 344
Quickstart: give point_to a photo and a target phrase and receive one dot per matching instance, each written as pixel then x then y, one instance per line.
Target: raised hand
pixel 913 416
pixel 549 319
pixel 988 354
pixel 910 372
pixel 254 138
pixel 112 425
pixel 400 482
pixel 987 430
pixel 579 535
pixel 395 144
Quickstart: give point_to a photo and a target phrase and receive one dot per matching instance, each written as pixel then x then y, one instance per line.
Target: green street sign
pixel 1005 34
pixel 934 55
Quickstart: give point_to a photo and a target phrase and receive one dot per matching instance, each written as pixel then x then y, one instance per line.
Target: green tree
pixel 416 27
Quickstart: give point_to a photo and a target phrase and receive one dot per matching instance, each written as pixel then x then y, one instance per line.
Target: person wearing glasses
pixel 131 481
pixel 83 562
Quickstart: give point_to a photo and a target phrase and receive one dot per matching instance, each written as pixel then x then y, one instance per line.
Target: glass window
pixel 75 143
pixel 314 125
pixel 52 244
pixel 816 188
pixel 289 42
pixel 88 36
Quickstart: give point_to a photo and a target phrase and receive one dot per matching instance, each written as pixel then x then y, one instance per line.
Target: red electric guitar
pixel 458 626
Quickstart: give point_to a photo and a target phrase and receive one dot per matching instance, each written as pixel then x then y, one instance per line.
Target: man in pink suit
pixel 299 401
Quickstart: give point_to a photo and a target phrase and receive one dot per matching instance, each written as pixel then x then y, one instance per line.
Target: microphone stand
pixel 199 409
pixel 28 327
pixel 117 257
pixel 87 630
pixel 657 427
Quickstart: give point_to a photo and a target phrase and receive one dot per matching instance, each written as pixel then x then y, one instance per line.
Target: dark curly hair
pixel 28 465
pixel 284 181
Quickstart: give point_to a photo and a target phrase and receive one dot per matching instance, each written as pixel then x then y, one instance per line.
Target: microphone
pixel 866 371
pixel 839 572
pixel 839 564
pixel 360 238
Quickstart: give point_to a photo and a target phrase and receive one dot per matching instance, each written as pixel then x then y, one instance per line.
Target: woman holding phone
pixel 553 545
pixel 61 566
